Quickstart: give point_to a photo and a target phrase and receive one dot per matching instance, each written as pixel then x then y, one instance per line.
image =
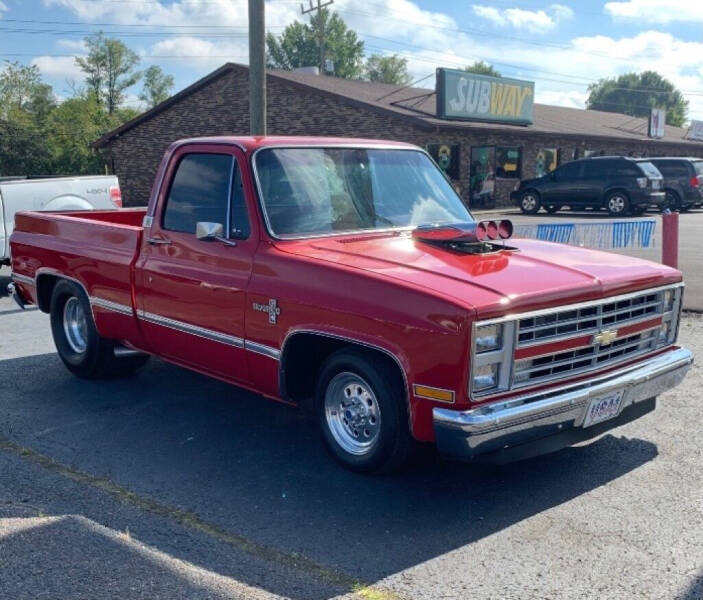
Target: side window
pixel 626 169
pixel 239 220
pixel 672 168
pixel 567 172
pixel 595 169
pixel 199 192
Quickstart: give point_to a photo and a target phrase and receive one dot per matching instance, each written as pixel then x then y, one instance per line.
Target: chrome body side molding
pixel 201 332
pixel 262 349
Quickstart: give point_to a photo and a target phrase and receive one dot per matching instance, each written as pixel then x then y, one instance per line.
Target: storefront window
pixel 508 162
pixel 589 153
pixel 482 179
pixel 545 161
pixel 447 157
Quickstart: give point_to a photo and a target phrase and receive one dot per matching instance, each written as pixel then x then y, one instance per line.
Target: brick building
pixel 306 104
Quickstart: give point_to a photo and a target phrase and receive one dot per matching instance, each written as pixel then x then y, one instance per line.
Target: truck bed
pixel 98 249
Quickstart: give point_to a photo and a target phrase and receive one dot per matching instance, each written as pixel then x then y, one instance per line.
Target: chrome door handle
pixel 158 241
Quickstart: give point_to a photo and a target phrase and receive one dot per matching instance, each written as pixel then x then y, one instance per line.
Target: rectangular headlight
pixel 486 377
pixel 489 337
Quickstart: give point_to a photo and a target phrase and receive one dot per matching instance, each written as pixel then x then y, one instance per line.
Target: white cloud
pixel 534 21
pixel 199 53
pixel 656 11
pixel 74 45
pixel 572 99
pixel 58 66
pixel 231 13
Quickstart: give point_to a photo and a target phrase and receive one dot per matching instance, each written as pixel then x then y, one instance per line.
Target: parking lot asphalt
pixel 690 241
pixel 170 485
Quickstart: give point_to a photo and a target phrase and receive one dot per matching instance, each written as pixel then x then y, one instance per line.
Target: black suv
pixel 683 181
pixel 617 183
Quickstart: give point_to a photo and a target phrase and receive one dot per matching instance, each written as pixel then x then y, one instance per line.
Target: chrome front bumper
pixel 555 416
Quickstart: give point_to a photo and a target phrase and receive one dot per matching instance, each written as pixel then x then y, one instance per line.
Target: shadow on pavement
pixel 695 590
pixel 258 469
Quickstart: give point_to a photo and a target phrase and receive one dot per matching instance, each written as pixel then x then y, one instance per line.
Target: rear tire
pixel 84 352
pixel 361 409
pixel 530 202
pixel 671 201
pixel 617 203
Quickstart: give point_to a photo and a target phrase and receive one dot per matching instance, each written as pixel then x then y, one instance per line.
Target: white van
pixel 60 193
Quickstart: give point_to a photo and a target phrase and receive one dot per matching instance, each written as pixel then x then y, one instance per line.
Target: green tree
pixel 21 89
pixel 25 103
pixel 109 68
pixel 299 46
pixel 73 126
pixel 387 69
pixel 636 94
pixel 23 149
pixel 157 86
pixel 481 68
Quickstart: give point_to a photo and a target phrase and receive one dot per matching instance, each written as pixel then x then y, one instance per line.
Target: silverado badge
pixel 605 337
pixel 271 308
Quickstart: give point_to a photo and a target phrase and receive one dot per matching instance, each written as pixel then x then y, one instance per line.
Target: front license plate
pixel 603 408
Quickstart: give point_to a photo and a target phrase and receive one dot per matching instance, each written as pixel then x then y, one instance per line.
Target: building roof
pixel 418 105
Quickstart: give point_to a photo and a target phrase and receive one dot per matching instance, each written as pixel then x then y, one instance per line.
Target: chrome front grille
pixel 582 359
pixel 588 319
pixel 548 345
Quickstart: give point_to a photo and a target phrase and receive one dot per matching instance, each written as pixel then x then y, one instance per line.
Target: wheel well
pixel 533 191
pixel 304 354
pixel 609 193
pixel 45 287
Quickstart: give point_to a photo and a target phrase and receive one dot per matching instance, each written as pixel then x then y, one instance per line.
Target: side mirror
pixel 208 232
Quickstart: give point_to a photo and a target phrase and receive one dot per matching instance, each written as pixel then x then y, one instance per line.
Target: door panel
pixel 593 181
pixel 563 189
pixel 192 292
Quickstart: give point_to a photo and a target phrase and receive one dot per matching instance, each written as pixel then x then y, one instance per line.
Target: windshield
pixel 317 191
pixel 649 169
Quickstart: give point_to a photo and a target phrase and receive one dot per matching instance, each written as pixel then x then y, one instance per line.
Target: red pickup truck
pixel 348 276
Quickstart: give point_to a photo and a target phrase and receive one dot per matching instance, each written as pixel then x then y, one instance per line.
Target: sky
pixel 562 46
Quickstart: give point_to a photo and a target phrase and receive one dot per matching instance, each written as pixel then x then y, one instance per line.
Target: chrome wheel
pixel 75 325
pixel 353 414
pixel 529 203
pixel 617 203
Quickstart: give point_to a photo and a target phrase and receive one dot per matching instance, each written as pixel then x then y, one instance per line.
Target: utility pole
pixel 320 5
pixel 257 67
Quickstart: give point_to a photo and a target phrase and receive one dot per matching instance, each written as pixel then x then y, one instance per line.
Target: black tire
pixel 383 411
pixel 552 208
pixel 86 354
pixel 530 202
pixel 617 203
pixel 672 201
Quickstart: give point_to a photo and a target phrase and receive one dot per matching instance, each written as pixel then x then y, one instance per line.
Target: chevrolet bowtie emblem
pixel 605 338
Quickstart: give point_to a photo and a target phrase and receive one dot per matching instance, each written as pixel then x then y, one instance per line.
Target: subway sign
pixel 468 96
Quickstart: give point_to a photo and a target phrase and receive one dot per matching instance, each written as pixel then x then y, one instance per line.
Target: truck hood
pixel 534 275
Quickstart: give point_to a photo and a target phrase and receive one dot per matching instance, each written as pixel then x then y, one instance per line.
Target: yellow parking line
pixel 289 559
